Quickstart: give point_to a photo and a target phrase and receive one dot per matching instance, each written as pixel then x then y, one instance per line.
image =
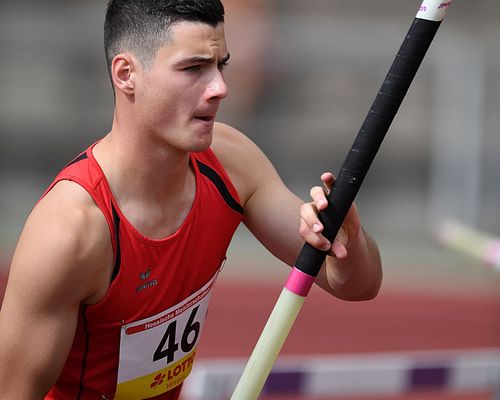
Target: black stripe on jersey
pixel 220 185
pixel 81 157
pixel 86 351
pixel 118 253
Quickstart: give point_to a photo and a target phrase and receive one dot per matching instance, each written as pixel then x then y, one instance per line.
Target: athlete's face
pixel 179 95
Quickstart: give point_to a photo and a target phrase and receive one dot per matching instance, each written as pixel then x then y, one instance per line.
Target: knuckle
pixel 304 229
pixel 305 209
pixel 316 191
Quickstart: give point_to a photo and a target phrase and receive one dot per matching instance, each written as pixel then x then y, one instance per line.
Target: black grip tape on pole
pixel 370 137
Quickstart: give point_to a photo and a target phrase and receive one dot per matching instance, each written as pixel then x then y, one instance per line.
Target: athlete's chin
pixel 198 143
pixel 203 134
pixel 200 146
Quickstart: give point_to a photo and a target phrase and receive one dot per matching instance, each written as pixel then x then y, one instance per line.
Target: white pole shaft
pixel 433 10
pixel 268 346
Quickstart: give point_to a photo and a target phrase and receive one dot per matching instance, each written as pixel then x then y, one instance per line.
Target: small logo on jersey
pixel 144 277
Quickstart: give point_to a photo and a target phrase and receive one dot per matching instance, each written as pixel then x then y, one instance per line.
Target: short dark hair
pixel 143 26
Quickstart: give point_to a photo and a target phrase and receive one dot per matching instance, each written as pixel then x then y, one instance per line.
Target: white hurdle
pixel 450 371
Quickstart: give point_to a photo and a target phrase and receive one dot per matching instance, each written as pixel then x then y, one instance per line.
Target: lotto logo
pixel 158 380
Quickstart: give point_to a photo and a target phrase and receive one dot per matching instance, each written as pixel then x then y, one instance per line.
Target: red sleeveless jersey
pixel 140 340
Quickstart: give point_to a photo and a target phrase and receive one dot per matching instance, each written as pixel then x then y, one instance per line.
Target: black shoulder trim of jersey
pixel 81 157
pixel 118 255
pixel 220 185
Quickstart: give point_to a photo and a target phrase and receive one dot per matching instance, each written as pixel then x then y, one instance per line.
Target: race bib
pixel 157 353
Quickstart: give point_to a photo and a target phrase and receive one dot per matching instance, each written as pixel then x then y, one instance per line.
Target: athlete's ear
pixel 123 72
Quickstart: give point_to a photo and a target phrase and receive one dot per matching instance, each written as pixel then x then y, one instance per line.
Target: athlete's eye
pixel 192 68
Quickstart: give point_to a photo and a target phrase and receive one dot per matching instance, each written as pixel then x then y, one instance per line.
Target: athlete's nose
pixel 217 88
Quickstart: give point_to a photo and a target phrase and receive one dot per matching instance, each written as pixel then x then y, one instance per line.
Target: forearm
pixel 359 275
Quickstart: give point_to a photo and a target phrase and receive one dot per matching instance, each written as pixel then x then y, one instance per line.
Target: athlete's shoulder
pixel 68 236
pixel 245 163
pixel 69 202
pixel 231 144
pixel 228 138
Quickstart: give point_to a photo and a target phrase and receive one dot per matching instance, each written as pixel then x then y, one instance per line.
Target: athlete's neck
pixel 153 185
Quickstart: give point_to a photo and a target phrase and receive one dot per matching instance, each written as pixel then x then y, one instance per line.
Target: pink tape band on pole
pixel 299 282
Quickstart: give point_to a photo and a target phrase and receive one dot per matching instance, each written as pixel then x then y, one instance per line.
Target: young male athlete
pixel 110 280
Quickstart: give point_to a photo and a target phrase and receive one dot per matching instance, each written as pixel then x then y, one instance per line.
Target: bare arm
pixel 355 271
pixel 273 214
pixel 52 273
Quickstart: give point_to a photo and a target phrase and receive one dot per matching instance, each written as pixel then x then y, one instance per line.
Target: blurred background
pixel 302 77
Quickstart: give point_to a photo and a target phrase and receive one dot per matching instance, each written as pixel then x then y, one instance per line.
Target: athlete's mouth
pixel 205 117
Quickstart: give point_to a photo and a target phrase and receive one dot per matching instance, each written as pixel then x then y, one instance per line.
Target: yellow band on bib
pixel 157 383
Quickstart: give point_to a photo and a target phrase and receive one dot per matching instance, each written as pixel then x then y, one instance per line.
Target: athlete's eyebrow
pixel 202 60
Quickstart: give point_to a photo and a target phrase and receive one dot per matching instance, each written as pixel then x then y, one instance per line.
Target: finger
pixel 309 215
pixel 318 196
pixel 314 239
pixel 342 237
pixel 352 222
pixel 328 179
pixel 311 227
pixel 338 250
pixel 353 210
